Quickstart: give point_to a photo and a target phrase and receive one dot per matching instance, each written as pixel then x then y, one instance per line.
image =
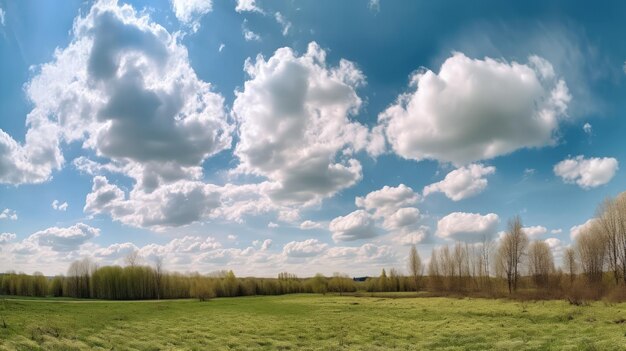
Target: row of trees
pixel 595 263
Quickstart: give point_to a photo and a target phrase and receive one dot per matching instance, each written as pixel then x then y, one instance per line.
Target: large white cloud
pixel 469 227
pixel 64 238
pixel 535 231
pixel 476 109
pixel 587 172
pixel 295 127
pixel 307 248
pixel 354 226
pixel 6 237
pixel 462 182
pixel 387 200
pixel 189 12
pixel 575 231
pixel 125 88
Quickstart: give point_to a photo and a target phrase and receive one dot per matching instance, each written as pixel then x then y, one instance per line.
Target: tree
pixel 569 263
pixel 132 259
pixel 592 251
pixel 512 249
pixel 540 262
pixel 415 266
pixel 158 275
pixel 319 284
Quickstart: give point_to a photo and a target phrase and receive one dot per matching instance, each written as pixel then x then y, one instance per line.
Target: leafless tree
pixel 415 266
pixel 540 262
pixel 592 251
pixel 511 251
pixel 132 259
pixel 569 263
pixel 158 275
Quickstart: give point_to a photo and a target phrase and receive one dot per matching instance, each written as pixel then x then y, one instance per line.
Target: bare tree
pixel 158 275
pixel 569 263
pixel 608 220
pixel 415 266
pixel 512 249
pixel 540 262
pixel 132 259
pixel 592 251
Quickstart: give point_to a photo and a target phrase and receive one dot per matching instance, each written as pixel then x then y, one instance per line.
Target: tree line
pixel 593 266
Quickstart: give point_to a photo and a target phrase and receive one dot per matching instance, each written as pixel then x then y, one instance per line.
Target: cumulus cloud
pixel 462 182
pixel 307 248
pixel 412 237
pixel 57 205
pixel 306 225
pixel 64 239
pixel 354 226
pixel 468 227
pixel 535 231
pixel 8 213
pixel 6 237
pixel 295 128
pixel 587 172
pixel 247 6
pixel 387 200
pixel 248 34
pixel 476 110
pixel 402 218
pixel 575 231
pixel 189 12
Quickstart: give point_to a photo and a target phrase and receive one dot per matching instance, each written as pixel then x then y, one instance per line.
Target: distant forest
pixel 593 267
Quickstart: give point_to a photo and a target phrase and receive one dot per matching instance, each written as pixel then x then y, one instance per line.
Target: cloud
pixel 59 206
pixel 125 88
pixel 222 47
pixel 588 129
pixel 575 231
pixel 354 226
pixel 6 237
pixel 2 14
pixel 189 12
pixel 468 227
pixel 462 182
pixel 8 213
pixel 247 6
pixel 412 237
pixel 248 34
pixel 295 128
pixel 64 239
pixel 284 23
pixel 387 200
pixel 535 231
pixel 476 110
pixel 402 218
pixel 587 172
pixel 374 6
pixel 556 231
pixel 272 225
pixel 307 225
pixel 307 248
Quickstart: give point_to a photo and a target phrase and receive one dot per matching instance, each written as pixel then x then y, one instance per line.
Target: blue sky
pixel 301 136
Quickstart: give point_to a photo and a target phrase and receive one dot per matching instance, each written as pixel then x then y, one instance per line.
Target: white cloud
pixel 2 14
pixel 189 12
pixel 588 129
pixel 232 237
pixel 354 226
pixel 8 213
pixel 374 6
pixel 6 237
pixel 535 231
pixel 284 23
pixel 248 34
pixel 387 200
pixel 272 225
pixel 476 110
pixel 412 237
pixel 221 48
pixel 575 231
pixel 295 128
pixel 57 205
pixel 402 218
pixel 556 231
pixel 587 172
pixel 468 227
pixel 307 248
pixel 306 225
pixel 462 182
pixel 64 239
pixel 247 6
pixel 121 84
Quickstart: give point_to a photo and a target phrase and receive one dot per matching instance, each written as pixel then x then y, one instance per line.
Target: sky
pixel 302 136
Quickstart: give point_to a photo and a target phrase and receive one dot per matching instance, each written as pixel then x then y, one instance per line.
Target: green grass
pixel 311 322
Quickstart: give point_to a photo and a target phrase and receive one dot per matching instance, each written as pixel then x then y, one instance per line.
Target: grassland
pixel 311 322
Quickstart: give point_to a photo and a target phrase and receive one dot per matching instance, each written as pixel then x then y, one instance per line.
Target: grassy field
pixel 310 322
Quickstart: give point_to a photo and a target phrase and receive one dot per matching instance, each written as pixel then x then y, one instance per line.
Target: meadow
pixel 310 322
